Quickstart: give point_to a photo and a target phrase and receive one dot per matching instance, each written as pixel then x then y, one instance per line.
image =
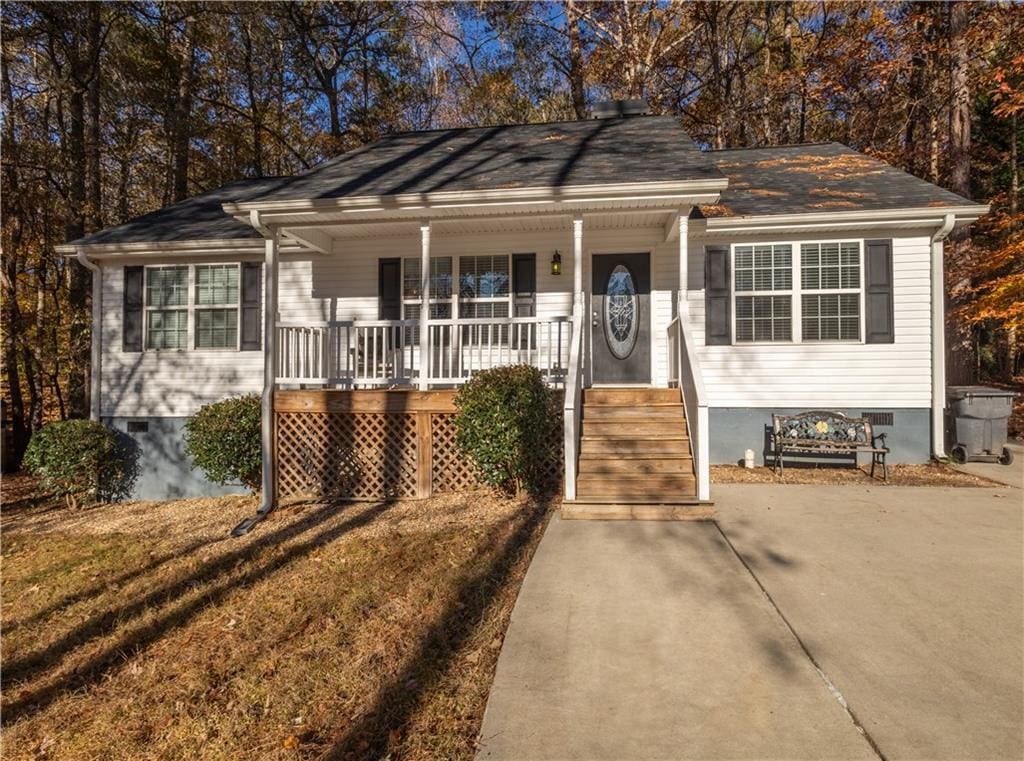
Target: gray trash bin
pixel 978 419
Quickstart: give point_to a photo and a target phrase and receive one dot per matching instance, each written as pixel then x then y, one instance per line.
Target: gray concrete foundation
pixel 164 470
pixel 736 429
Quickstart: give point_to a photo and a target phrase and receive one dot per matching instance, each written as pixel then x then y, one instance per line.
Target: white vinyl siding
pixel 343 286
pixel 828 374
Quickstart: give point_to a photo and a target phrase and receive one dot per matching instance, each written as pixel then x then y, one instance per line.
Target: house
pixel 678 296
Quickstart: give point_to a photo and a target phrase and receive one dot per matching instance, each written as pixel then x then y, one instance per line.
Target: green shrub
pixel 82 461
pixel 504 424
pixel 223 440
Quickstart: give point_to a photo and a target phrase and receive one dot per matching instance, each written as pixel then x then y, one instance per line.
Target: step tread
pixel 582 510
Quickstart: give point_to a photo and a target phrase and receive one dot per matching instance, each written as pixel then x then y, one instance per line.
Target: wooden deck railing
pixel 386 353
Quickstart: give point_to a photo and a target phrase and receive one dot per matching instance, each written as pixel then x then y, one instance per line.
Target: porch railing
pixel 684 371
pixel 387 352
pixel 572 409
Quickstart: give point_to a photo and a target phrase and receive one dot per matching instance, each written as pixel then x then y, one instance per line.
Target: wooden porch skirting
pixel 338 444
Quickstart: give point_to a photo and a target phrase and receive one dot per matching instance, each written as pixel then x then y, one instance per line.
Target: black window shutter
pixel 252 297
pixel 878 299
pixel 717 327
pixel 524 285
pixel 389 289
pixel 131 325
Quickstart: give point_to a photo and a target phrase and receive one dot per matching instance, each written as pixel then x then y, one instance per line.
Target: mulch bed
pixel 932 474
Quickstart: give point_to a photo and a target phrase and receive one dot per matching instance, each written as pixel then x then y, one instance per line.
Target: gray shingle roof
pixel 558 154
pixel 799 179
pixel 200 217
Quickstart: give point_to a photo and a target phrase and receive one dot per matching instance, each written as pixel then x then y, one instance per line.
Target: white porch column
pixel 425 308
pixel 684 261
pixel 270 318
pixel 577 260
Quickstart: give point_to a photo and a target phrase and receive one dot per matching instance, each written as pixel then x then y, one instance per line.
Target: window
pixel 761 271
pixel 764 318
pixel 185 300
pixel 440 303
pixel 167 307
pixel 216 306
pixel 484 286
pixel 830 298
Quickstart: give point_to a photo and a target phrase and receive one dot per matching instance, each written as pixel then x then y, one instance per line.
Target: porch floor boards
pixel 635 458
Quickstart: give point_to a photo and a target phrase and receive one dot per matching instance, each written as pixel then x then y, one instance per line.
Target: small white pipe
pixel 938 294
pixel 95 354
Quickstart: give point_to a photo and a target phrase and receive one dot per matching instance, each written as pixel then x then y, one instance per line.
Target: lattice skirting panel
pixel 405 450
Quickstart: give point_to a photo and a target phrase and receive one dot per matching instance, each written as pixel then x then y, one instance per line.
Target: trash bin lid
pixel 960 392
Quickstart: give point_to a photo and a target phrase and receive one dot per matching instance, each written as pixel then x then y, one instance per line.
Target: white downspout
pixel 938 293
pixel 95 353
pixel 270 275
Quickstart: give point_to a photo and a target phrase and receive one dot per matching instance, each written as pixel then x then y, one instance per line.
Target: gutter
pixel 95 349
pixel 269 378
pixel 938 296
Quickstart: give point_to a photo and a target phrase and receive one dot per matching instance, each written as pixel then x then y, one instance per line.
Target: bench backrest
pixel 822 428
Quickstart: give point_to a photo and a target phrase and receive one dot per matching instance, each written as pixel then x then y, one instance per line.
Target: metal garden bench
pixel 827 432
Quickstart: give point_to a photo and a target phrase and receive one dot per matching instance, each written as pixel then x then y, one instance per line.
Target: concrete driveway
pixel 811 622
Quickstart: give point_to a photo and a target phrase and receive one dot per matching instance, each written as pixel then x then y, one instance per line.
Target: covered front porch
pixel 338 339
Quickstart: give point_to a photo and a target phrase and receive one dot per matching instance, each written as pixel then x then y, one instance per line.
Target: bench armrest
pixel 877 437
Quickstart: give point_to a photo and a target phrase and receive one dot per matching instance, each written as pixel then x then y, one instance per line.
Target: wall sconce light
pixel 556 264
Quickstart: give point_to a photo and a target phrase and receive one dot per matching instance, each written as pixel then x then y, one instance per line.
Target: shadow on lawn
pixel 97 589
pixel 397 701
pixel 213 589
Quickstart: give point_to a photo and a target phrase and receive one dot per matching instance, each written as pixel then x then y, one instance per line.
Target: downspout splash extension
pixel 267 504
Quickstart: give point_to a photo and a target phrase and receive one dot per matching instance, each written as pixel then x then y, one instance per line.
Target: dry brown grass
pixel 364 630
pixel 933 474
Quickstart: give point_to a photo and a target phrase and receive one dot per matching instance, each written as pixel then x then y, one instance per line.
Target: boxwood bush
pixel 223 440
pixel 504 424
pixel 82 461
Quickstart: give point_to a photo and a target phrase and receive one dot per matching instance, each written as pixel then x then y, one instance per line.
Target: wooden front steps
pixel 635 459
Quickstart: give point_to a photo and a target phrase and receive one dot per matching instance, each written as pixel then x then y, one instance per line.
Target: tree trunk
pixel 94 218
pixel 1014 167
pixel 576 86
pixel 183 121
pixel 960 108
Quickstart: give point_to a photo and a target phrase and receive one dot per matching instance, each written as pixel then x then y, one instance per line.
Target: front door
pixel 621 318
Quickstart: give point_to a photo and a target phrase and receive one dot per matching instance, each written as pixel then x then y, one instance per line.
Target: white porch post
pixel 577 259
pixel 425 308
pixel 269 368
pixel 684 261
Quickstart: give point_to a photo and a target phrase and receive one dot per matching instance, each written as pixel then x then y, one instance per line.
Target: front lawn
pixel 363 630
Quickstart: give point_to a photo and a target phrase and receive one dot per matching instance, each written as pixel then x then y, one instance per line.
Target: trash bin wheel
pixel 1007 457
pixel 958 454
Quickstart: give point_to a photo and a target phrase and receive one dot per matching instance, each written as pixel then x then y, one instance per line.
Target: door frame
pixel 588 300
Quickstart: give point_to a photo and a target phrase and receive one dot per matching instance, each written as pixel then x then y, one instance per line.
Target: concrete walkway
pixel 642 640
pixel 1011 475
pixel 654 640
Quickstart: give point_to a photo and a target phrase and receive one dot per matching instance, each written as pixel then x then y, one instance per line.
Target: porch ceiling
pixel 495 225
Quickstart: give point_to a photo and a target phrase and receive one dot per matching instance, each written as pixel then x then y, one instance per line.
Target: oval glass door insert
pixel 621 312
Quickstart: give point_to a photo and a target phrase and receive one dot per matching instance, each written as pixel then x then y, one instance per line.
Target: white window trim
pixel 195 307
pixel 792 292
pixel 190 308
pixel 796 292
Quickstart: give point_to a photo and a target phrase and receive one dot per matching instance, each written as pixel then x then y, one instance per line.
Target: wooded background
pixel 113 109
